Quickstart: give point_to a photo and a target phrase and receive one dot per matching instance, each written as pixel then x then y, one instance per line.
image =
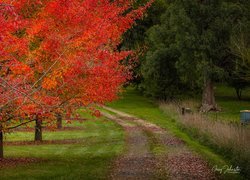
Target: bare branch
pixel 13 127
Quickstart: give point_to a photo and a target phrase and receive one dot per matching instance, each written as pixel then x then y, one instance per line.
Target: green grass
pixel 100 142
pixel 156 147
pixel 226 100
pixel 134 103
pixel 229 104
pixel 84 168
pixel 91 128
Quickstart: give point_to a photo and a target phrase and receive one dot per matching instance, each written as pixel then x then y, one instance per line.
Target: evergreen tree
pixel 189 48
pixel 134 38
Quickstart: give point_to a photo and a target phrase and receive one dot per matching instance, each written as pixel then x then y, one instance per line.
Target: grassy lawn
pixel 100 141
pixel 91 128
pixel 229 104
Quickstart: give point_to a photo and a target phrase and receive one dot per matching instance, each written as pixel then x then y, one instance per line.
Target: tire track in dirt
pixel 137 162
pixel 177 162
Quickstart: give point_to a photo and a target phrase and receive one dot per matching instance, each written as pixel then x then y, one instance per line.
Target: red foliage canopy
pixel 60 53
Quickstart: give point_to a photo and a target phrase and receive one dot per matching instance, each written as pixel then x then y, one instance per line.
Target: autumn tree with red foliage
pixel 60 54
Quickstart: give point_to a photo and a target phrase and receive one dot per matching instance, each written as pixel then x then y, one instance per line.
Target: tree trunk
pixel 38 130
pixel 238 92
pixel 208 98
pixel 1 143
pixel 59 120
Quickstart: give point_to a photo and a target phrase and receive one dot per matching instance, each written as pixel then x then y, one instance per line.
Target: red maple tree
pixel 60 54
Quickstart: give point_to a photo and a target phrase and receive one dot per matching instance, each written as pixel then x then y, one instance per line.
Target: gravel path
pixel 177 162
pixel 137 162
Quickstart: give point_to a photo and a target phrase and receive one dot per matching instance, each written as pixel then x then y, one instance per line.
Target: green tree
pixel 193 39
pixel 239 71
pixel 134 38
pixel 161 78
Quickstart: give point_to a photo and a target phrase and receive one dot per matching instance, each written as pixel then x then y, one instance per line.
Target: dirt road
pixel 153 153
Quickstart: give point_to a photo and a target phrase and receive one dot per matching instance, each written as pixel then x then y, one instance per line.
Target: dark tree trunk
pixel 238 92
pixel 59 120
pixel 208 98
pixel 1 143
pixel 38 130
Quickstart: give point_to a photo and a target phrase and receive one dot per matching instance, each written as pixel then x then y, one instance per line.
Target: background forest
pixel 189 46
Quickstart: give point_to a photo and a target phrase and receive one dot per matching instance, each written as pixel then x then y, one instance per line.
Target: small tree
pixel 240 48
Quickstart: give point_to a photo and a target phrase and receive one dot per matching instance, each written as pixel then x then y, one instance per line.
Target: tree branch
pixel 13 127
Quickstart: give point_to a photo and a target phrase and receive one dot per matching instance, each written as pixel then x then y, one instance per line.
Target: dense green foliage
pixel 239 70
pixel 134 38
pixel 190 42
